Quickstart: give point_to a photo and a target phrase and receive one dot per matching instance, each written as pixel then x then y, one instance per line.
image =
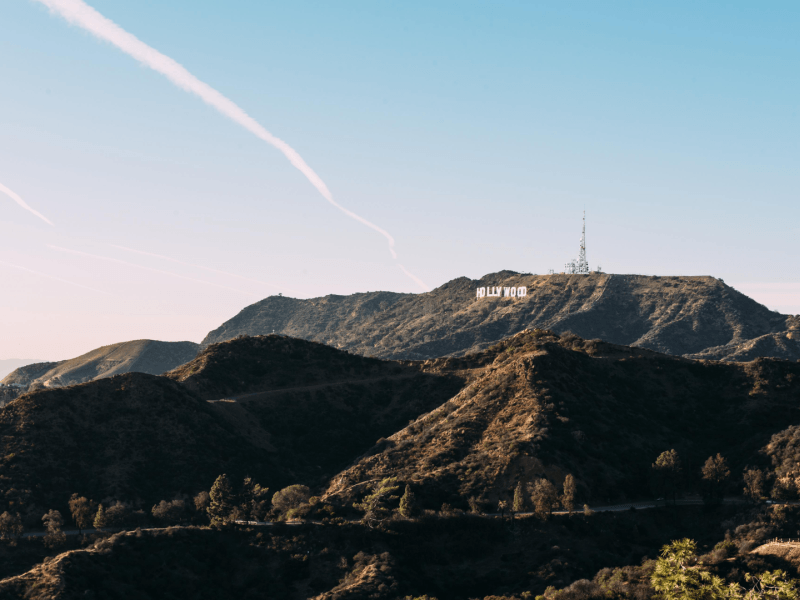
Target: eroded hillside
pixel 550 405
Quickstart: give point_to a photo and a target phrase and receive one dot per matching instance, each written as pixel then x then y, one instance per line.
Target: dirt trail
pixel 308 388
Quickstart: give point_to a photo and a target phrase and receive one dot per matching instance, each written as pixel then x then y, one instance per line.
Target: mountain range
pixel 695 317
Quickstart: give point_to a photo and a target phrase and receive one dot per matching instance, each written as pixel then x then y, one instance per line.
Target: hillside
pixel 132 436
pixel 550 405
pixel 136 436
pixel 140 356
pixel 689 316
pixel 317 406
pixel 9 364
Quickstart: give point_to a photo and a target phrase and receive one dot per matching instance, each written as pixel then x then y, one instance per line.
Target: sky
pixel 474 134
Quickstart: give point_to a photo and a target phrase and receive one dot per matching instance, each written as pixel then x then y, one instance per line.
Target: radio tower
pixel 580 266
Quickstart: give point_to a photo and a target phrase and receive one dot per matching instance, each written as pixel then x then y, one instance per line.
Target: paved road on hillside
pixel 595 509
pixel 308 388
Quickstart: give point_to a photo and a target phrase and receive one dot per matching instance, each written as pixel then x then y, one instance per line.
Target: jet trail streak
pixel 81 14
pixel 22 203
pixel 135 266
pixel 86 287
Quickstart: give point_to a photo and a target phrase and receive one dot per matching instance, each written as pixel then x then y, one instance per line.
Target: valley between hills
pixel 414 446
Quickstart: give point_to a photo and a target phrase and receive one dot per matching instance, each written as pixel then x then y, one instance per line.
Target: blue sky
pixel 474 132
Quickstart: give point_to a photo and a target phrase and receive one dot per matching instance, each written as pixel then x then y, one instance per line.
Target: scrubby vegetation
pixel 473 488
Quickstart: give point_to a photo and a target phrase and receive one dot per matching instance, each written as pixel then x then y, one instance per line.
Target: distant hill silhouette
pixel 9 364
pixel 141 356
pixel 699 317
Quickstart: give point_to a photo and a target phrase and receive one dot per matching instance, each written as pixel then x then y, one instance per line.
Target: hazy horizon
pixel 466 138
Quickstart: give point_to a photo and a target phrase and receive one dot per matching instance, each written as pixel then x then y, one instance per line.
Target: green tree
pixel 518 505
pixel 202 502
pixel 53 522
pixel 376 505
pixel 715 473
pixel 82 511
pixel 10 527
pixel 253 500
pixel 100 520
pixel 771 585
pixel 170 513
pixel 754 481
pixel 544 497
pixel 408 503
pixel 677 577
pixel 290 497
pixel 569 493
pixel 667 475
pixel 221 501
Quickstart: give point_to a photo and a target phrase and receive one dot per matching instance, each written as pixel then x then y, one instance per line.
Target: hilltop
pixel 141 356
pixel 9 364
pixel 699 317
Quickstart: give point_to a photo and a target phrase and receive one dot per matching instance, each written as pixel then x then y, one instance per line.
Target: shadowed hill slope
pixel 319 407
pixel 141 356
pixel 673 315
pixel 133 436
pixel 138 436
pixel 551 405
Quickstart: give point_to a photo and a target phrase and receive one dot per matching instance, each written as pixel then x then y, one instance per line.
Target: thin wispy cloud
pixel 15 197
pixel 53 277
pixel 209 269
pixel 144 268
pixel 81 14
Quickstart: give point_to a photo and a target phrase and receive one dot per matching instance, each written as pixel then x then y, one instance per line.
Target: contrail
pixel 416 279
pixel 86 287
pixel 81 14
pixel 22 203
pixel 135 266
pixel 180 262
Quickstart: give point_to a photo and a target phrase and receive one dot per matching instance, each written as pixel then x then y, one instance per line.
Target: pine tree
pixel 53 523
pixel 100 519
pixel 570 491
pixel 82 512
pixel 222 501
pixel 408 503
pixel 715 475
pixel 518 505
pixel 10 527
pixel 667 474
pixel 375 505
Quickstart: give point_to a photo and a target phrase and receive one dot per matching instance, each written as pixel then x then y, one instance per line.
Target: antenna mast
pixel 580 266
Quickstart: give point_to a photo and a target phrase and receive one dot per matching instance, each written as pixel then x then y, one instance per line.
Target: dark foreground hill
pixel 687 316
pixel 140 356
pixel 454 557
pixel 286 411
pixel 132 436
pixel 549 405
pixel 316 406
pixel 136 437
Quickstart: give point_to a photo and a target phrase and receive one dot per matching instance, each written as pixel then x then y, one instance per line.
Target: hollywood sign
pixel 507 292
